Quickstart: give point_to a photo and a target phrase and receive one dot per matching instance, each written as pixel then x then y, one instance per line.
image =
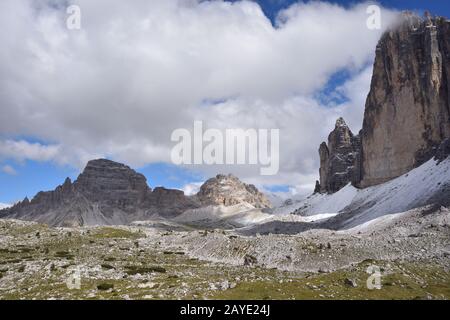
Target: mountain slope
pixel 428 184
pixel 111 193
pixel 105 193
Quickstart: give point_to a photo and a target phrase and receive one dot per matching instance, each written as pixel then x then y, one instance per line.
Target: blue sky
pixel 20 177
pixel 272 7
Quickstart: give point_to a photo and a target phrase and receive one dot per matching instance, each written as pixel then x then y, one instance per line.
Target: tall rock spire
pixel 407 113
pixel 338 158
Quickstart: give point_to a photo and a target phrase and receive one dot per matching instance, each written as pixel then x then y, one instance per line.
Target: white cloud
pixel 191 188
pixel 356 90
pixel 4 205
pixel 23 150
pixel 139 69
pixel 9 170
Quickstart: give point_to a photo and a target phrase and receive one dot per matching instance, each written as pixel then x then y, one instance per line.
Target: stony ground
pixel 411 252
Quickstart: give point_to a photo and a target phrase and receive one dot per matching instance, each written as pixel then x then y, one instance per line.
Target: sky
pixel 137 70
pixel 438 7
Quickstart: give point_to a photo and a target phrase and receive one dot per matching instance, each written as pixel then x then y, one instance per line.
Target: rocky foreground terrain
pixel 111 193
pixel 411 250
pixel 317 248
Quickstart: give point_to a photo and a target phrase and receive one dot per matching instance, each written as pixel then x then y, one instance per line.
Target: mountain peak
pixel 104 162
pixel 337 158
pixel 228 190
pixel 106 192
pixel 112 184
pixel 340 122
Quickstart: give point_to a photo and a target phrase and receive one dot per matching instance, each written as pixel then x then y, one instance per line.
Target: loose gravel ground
pixel 411 252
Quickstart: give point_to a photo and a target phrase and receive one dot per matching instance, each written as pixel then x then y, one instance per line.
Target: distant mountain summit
pixel 112 185
pixel 109 193
pixel 106 192
pixel 228 190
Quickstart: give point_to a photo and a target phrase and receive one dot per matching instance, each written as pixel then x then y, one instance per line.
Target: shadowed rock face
pixel 169 202
pixel 407 112
pixel 113 185
pixel 228 190
pixel 443 151
pixel 338 159
pixel 106 192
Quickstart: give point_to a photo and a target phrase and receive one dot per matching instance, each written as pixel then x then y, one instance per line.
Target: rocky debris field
pixel 410 251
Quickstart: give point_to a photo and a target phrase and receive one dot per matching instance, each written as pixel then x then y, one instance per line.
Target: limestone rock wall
pixel 407 113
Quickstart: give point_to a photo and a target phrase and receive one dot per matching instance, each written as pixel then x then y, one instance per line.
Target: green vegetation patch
pixel 111 233
pixel 400 282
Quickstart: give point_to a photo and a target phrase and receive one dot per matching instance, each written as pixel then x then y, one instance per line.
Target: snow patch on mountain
pixel 347 208
pixel 238 215
pixel 427 184
pixel 321 203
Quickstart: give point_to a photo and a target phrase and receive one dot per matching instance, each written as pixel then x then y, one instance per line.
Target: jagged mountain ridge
pixel 107 193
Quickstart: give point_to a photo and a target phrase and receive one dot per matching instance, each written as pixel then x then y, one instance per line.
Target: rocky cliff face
pixel 228 190
pixel 112 185
pixel 106 192
pixel 407 112
pixel 339 159
pixel 169 203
